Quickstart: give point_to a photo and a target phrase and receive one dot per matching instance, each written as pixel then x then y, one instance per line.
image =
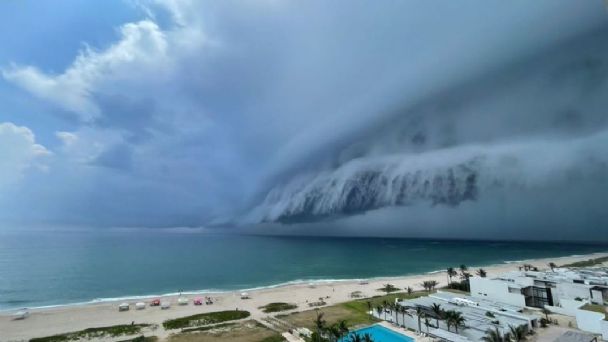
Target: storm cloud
pixel 443 119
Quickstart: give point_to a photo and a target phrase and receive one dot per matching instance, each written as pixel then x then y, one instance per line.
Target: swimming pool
pixel 379 334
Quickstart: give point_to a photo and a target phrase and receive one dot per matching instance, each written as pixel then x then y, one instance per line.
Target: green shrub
pixel 276 307
pixel 205 319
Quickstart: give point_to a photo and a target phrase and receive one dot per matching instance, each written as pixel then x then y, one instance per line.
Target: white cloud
pixel 19 152
pixel 67 138
pixel 142 45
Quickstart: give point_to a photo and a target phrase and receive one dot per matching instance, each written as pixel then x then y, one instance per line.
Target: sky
pixel 472 119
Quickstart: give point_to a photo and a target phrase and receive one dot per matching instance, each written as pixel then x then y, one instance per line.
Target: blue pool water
pixel 380 334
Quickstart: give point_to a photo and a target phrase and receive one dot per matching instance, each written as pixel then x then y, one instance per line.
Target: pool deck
pixel 405 332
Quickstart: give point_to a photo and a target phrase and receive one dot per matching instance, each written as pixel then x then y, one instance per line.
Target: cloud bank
pixel 394 118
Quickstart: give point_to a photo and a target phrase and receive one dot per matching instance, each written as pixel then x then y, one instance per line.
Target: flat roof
pixel 475 316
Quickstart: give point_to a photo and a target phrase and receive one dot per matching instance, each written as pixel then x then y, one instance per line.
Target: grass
pixel 596 308
pixel 587 263
pixel 205 319
pixel 242 331
pixel 354 312
pixel 277 307
pixel 111 331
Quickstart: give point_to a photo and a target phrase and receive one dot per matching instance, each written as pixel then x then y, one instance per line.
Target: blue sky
pixel 188 113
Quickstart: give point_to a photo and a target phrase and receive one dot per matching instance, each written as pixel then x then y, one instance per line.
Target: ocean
pixel 61 267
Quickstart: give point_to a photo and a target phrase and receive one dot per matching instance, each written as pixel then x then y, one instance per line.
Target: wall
pixel 589 321
pixel 497 290
pixel 571 291
pixel 566 307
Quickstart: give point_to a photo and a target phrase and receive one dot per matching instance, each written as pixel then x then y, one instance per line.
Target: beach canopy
pixel 182 301
pixel 165 305
pixel 140 305
pixel 198 301
pixel 123 307
pixel 244 295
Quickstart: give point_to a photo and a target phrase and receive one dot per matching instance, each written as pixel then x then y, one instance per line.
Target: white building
pixel 564 291
pixel 480 315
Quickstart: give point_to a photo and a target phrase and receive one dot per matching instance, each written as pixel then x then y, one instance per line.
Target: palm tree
pixel 495 336
pixel 367 338
pixel 384 306
pixel 404 311
pixel 481 272
pixel 450 271
pixel 458 320
pixel 379 310
pixel 420 315
pixel 427 323
pixel 355 338
pixel 334 330
pixel 392 307
pixel 546 312
pixel 465 276
pixel 338 330
pixel 438 311
pixel 343 328
pixel 409 290
pixel 320 324
pixel 463 268
pixel 517 334
pixel 369 306
pixel 552 265
pixel 447 316
pixel 388 288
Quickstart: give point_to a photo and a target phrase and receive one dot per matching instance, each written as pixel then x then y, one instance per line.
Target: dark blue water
pixel 49 268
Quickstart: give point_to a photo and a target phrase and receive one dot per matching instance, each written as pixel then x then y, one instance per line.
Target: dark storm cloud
pixel 200 109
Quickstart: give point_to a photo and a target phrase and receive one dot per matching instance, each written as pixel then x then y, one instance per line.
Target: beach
pixel 49 321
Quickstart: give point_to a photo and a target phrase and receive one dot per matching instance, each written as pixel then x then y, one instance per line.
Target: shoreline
pixel 297 282
pixel 62 319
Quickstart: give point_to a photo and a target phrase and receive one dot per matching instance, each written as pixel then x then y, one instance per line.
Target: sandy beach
pixel 49 321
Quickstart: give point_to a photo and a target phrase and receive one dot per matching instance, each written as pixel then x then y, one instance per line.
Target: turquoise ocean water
pixel 53 268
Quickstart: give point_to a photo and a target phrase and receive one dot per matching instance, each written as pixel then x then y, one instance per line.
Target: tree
pixel 369 306
pixel 427 323
pixel 367 338
pixel 393 307
pixel 465 277
pixel 451 272
pixel 388 288
pixel 354 337
pixel 409 290
pixel 481 272
pixel 458 320
pixel 463 268
pixel 552 265
pixel 384 306
pixel 494 335
pixel 429 285
pixel 343 327
pixel 379 310
pixel 404 312
pixel 546 312
pixel 320 325
pixel 334 330
pixel 438 311
pixel 338 330
pixel 447 316
pixel 454 318
pixel 420 314
pixel 517 334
